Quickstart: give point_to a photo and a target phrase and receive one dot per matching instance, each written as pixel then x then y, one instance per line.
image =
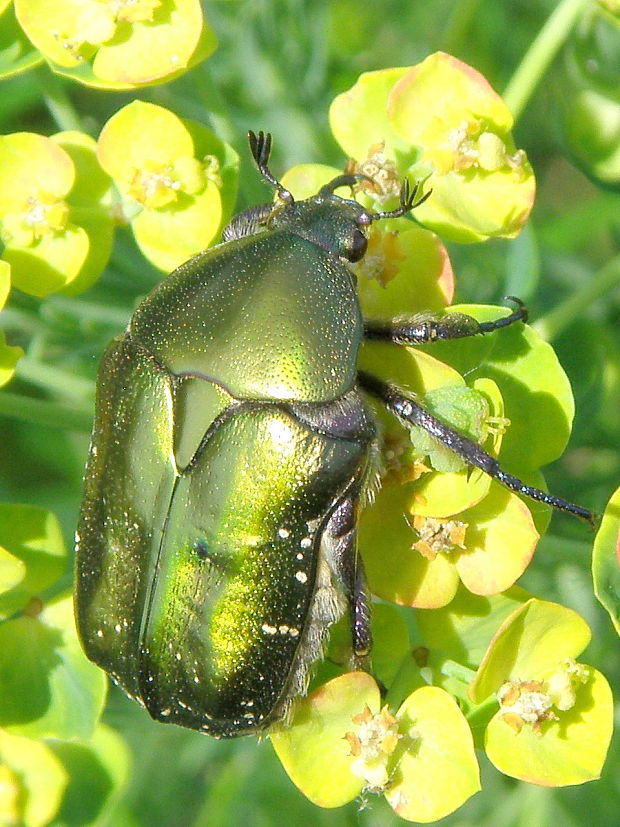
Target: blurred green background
pixel 278 66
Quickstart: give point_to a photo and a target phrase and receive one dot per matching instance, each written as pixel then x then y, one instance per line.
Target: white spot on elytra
pixel 306 542
pixel 301 576
pixel 270 630
pixel 284 533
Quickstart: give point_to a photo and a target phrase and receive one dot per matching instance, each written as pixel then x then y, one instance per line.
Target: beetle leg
pixel 248 222
pixel 424 328
pixel 341 535
pixel 410 412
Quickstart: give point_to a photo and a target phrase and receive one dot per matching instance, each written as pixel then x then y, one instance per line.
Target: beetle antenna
pixel 260 147
pixel 408 201
pixel 348 179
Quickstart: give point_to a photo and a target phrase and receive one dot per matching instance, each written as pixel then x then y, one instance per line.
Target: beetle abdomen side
pixel 270 317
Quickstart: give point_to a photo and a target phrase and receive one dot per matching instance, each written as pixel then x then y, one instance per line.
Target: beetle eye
pixel 358 246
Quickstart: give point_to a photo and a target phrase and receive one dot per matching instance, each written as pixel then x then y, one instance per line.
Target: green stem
pixel 44 412
pixel 452 669
pixel 54 379
pixel 541 53
pixel 553 323
pixel 57 101
pixel 91 311
pixel 12 318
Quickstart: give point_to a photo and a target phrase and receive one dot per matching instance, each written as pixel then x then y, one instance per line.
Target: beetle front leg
pixel 424 328
pixel 411 412
pixel 341 535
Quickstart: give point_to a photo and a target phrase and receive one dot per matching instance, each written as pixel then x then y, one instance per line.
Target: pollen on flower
pixel 45 214
pixel 564 683
pixel 155 185
pixel 383 257
pixel 131 11
pixel 471 145
pixel 212 169
pixel 399 464
pixel 372 744
pixel 438 536
pixel 40 215
pixel 461 141
pixel 72 45
pixel 525 702
pixel 386 181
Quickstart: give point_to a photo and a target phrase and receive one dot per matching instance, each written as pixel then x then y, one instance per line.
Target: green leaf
pixel 390 642
pixel 463 630
pixel 9 354
pixel 97 773
pixel 12 570
pixel 537 396
pixel 31 535
pixel 32 781
pixel 606 560
pixel 47 686
pixel 17 53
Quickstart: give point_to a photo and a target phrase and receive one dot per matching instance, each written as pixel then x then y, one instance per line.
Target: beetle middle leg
pixel 424 328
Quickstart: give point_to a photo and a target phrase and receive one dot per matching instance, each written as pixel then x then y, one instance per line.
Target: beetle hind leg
pixel 347 567
pixel 410 412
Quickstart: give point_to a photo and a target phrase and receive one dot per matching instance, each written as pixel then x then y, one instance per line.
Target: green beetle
pixel 231 453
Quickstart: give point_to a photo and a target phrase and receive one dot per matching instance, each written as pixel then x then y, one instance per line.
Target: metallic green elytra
pixel 231 452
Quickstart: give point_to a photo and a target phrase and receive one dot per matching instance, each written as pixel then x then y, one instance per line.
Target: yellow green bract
pixel 606 560
pixel 421 757
pixel 49 217
pixel 8 354
pixel 119 45
pixel 170 174
pixel 441 121
pixel 554 721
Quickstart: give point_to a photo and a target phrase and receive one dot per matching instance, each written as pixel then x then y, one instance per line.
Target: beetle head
pixel 335 224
